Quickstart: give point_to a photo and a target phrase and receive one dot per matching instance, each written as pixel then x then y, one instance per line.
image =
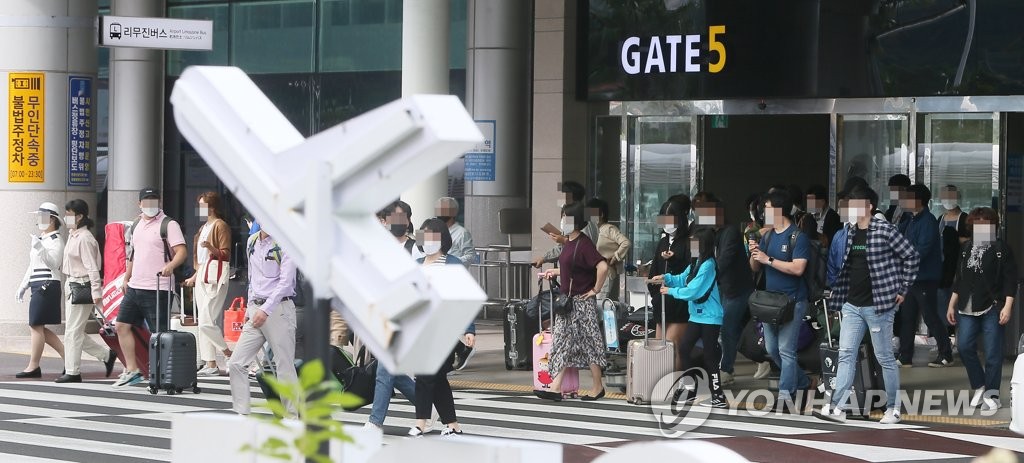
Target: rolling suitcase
pixel 114 267
pixel 172 356
pixel 518 333
pixel 648 360
pixel 542 374
pixel 867 374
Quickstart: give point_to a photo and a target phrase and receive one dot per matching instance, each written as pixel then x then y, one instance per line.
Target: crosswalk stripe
pixel 110 405
pixel 95 447
pixel 113 428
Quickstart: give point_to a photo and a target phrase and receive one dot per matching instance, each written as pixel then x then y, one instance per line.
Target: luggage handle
pixel 241 303
pixel 157 318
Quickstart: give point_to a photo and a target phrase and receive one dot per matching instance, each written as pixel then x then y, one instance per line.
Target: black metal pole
pixel 317 346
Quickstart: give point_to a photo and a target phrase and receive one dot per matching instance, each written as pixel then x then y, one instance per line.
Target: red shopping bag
pixel 234 318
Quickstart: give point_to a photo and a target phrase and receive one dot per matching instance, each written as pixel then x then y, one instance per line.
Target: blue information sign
pixel 80 147
pixel 480 159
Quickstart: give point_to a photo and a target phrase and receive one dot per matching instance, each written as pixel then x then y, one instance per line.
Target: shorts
pixel 139 307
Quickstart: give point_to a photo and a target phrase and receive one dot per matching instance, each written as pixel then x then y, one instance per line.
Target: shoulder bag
pixel 772 307
pixel 81 293
pixel 562 304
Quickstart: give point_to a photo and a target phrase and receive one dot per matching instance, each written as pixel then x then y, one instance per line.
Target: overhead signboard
pixel 158 33
pixel 25 127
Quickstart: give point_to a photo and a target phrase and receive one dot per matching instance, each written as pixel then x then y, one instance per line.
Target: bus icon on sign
pixel 115 30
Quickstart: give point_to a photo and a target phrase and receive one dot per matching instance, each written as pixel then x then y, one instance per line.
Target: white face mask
pixel 694 250
pixel 204 212
pixel 670 229
pixel 150 211
pixel 567 227
pixel 70 221
pixel 705 220
pixel 949 204
pixel 431 247
pixel 42 226
pixel 984 234
pixel 769 219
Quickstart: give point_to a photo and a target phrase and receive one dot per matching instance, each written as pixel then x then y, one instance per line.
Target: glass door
pixel 874 147
pixel 961 149
pixel 661 162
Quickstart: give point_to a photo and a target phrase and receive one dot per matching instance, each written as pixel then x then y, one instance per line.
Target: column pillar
pixel 426 27
pixel 136 117
pixel 497 88
pixel 52 40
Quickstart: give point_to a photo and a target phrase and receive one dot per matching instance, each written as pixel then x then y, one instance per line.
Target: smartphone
pixel 551 229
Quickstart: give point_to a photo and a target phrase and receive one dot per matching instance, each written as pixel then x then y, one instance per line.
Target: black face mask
pixel 398 229
pixel 444 218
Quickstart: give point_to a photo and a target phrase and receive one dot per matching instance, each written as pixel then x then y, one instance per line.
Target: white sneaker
pixel 370 425
pixel 892 416
pixel 449 432
pixel 208 372
pixel 979 394
pixel 416 432
pixel 727 379
pixel 121 379
pixel 828 413
pixel 991 403
pixel 763 369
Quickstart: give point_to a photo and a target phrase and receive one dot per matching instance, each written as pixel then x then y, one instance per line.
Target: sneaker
pixel 715 402
pixel 979 394
pixel 727 379
pixel 991 403
pixel 208 372
pixel 763 369
pixel 828 413
pixel 941 363
pixel 684 397
pixel 892 416
pixel 416 432
pixel 449 432
pixel 900 364
pixel 128 378
pixel 462 355
pixel 370 425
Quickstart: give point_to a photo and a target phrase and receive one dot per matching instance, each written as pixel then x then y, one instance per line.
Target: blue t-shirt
pixel 777 245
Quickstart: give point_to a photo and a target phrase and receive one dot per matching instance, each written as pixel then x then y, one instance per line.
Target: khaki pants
pixel 339 330
pixel 75 339
pixel 610 290
pixel 209 305
pixel 279 332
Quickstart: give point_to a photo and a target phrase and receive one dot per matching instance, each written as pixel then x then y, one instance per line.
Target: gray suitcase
pixel 648 360
pixel 172 357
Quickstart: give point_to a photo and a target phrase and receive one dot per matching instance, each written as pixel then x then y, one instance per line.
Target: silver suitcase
pixel 648 361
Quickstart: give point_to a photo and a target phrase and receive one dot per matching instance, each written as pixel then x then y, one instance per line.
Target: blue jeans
pixel 988 325
pixel 879 326
pixel 780 341
pixel 737 312
pixel 386 385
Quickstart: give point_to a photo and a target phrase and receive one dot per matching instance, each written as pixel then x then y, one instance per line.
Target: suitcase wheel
pixel 152 389
pixel 196 390
pixel 177 391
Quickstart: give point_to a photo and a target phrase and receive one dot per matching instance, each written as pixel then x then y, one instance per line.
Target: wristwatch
pixel 771 261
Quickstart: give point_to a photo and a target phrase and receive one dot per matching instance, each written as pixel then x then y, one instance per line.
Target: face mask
pixel 398 229
pixel 431 247
pixel 204 212
pixel 949 204
pixel 670 229
pixel 813 209
pixel 694 250
pixel 984 234
pixel 894 196
pixel 150 211
pixel 70 221
pixel 567 227
pixel 769 219
pixel 42 226
pixel 705 220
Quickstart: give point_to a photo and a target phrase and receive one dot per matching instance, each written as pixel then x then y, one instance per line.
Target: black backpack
pixel 181 272
pixel 816 272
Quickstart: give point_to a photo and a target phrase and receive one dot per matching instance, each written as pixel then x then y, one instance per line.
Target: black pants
pixel 708 334
pixel 434 391
pixel 921 300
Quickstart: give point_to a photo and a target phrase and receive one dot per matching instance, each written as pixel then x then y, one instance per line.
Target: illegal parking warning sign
pixel 157 33
pixel 25 127
pixel 80 131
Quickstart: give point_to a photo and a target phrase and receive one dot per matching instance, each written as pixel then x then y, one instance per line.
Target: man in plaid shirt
pixel 871 267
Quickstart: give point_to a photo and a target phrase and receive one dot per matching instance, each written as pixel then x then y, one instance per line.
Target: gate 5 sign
pixel 656 57
pixel 25 127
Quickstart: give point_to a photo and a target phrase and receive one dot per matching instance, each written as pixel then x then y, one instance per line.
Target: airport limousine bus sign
pixel 158 33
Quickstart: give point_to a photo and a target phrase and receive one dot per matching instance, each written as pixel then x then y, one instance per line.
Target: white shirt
pixel 45 258
pixel 462 244
pixel 204 235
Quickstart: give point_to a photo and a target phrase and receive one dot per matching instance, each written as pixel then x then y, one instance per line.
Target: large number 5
pixel 715 45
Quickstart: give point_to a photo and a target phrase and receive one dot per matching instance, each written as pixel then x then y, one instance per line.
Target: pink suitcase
pixel 542 375
pixel 648 360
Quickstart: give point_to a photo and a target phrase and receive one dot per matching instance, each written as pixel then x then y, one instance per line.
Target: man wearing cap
pixel 270 317
pixel 148 256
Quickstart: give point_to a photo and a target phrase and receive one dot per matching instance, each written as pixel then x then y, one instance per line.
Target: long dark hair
pixel 705 237
pixel 80 207
pixel 679 211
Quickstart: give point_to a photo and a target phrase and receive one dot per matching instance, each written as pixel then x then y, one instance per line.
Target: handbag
pixel 771 307
pixel 81 293
pixel 360 379
pixel 562 304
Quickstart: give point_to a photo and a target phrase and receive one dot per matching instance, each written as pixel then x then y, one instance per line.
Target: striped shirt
pixel 45 259
pixel 892 264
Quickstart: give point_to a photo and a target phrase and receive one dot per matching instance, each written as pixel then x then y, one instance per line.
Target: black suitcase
pixel 868 389
pixel 518 335
pixel 172 357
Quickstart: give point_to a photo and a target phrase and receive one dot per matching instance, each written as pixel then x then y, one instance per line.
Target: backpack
pixel 299 298
pixel 816 272
pixel 181 272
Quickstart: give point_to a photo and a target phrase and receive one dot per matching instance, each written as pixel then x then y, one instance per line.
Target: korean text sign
pixel 26 127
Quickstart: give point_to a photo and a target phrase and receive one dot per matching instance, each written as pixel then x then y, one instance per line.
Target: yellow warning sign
pixel 25 127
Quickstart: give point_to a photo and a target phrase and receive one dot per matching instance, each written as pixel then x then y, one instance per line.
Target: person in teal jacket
pixel 697 286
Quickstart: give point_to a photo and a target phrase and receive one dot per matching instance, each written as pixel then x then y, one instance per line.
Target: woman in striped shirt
pixel 43 277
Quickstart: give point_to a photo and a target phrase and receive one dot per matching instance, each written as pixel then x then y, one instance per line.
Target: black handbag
pixel 81 293
pixel 771 307
pixel 562 304
pixel 360 379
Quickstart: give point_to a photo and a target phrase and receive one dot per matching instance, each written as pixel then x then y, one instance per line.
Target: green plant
pixel 313 399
